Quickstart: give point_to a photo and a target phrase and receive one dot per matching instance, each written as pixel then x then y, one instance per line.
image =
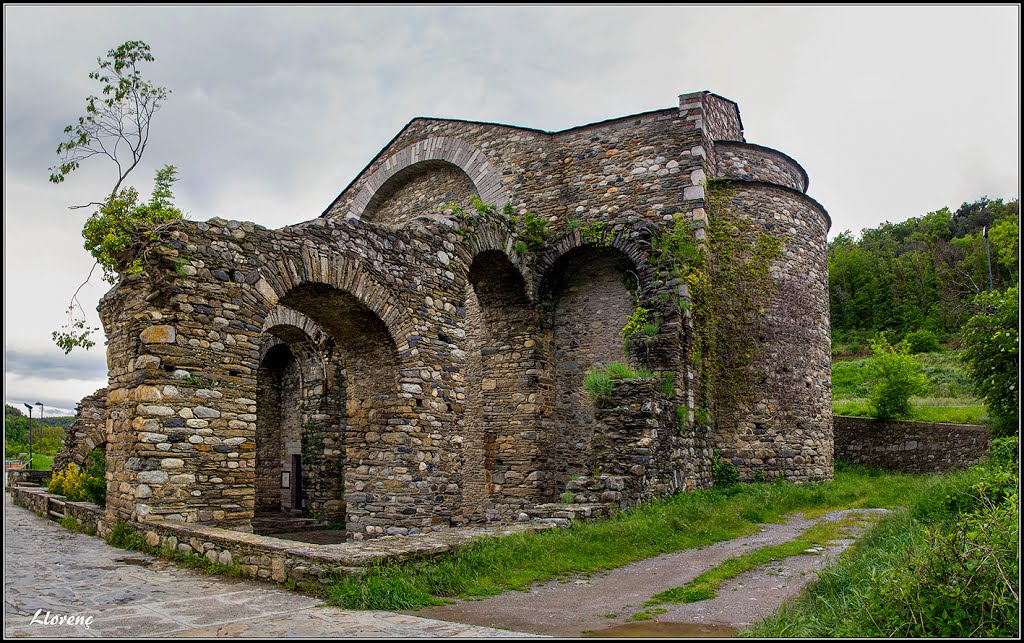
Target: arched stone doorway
pixel 349 449
pixel 590 293
pixel 502 432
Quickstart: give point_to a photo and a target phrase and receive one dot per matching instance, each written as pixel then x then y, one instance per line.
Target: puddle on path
pixel 141 562
pixel 658 629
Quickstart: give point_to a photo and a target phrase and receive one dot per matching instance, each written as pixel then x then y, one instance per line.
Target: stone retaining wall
pixel 911 447
pixel 274 559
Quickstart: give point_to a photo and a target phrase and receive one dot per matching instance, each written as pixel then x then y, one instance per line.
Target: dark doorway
pixel 296 482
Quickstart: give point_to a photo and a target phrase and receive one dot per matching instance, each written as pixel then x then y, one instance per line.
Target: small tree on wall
pixel 116 127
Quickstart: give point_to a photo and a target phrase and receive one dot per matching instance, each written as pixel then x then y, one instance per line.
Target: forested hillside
pixel 922 273
pixel 47 435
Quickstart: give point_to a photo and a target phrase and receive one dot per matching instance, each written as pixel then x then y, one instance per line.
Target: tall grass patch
pixel 947 566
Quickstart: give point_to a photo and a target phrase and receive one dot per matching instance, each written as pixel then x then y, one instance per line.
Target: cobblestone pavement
pixel 50 572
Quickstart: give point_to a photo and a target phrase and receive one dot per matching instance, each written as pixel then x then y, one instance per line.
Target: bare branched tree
pixel 115 126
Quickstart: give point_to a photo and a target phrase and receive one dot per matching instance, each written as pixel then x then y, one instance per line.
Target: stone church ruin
pixel 414 358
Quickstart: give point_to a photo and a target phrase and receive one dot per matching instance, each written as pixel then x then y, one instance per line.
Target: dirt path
pixel 599 606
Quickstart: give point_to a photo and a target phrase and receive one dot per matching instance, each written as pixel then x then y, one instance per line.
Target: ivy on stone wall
pixel 727 277
pixel 729 289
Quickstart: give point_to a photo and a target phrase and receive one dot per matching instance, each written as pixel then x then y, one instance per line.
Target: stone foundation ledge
pixel 562 514
pixel 274 559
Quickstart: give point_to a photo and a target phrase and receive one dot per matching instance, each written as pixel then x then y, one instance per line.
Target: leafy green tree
pixel 922 273
pixel 897 376
pixel 111 232
pixel 1005 240
pixel 116 125
pixel 991 342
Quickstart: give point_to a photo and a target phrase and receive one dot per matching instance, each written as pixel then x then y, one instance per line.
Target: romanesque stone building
pixel 409 362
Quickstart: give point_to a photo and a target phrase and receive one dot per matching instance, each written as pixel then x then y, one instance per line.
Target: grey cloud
pixel 53 365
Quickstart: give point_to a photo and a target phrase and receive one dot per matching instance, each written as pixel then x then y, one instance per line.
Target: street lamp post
pixel 41 410
pixel 29 407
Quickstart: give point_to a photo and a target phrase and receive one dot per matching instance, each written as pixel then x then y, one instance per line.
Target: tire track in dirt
pixel 592 605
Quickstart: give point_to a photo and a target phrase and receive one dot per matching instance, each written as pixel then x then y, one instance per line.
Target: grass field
pixel 40 461
pixel 950 398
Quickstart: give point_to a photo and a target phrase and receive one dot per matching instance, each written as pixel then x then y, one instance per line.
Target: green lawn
pixel 40 461
pixel 950 398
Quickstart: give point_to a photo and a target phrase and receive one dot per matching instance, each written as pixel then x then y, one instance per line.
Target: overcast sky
pixel 893 112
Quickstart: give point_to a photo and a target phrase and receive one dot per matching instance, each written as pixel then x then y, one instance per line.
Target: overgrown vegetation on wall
pixel 728 281
pixel 530 230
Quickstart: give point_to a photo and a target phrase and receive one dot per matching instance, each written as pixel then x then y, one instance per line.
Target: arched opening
pixel 278 433
pixel 348 436
pixel 422 189
pixel 591 294
pixel 502 435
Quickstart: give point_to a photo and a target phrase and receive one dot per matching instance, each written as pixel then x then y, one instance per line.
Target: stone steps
pixel 283 524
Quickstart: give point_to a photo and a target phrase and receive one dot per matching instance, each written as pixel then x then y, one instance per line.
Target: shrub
pixel 598 383
pixel 640 318
pixel 921 341
pixel 80 485
pixel 959 579
pixel 723 472
pixel 124 536
pixel 1005 452
pixel 897 377
pixel 991 342
pixel 69 483
pixel 95 483
pixel 112 231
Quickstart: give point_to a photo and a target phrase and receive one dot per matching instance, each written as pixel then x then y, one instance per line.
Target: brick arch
pixel 286 325
pixel 446 149
pixel 548 262
pixel 491 237
pixel 340 271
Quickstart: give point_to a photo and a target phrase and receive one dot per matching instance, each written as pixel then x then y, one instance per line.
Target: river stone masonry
pixel 406 367
pixel 87 432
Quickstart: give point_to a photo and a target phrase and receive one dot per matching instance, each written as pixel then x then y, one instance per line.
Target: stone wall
pixel 428 367
pixel 756 163
pixel 86 433
pixel 781 423
pixel 273 559
pixel 911 447
pixel 426 192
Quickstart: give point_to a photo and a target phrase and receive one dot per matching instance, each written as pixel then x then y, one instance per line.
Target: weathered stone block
pixel 161 334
